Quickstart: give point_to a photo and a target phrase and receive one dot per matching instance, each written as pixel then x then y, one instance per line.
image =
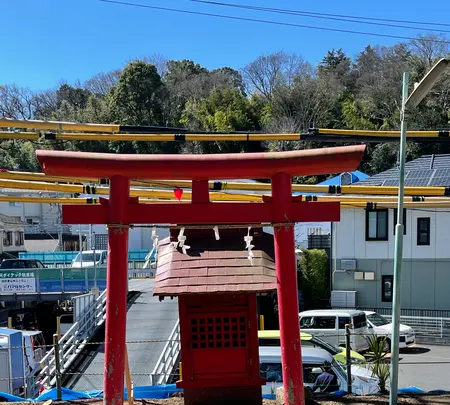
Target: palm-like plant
pixel 380 367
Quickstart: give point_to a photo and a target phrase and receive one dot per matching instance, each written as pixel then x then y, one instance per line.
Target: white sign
pixel 17 282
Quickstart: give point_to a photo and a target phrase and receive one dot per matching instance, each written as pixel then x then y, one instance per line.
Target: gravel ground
pixel 377 400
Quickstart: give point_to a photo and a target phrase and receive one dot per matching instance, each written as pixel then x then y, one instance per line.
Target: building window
pixel 377 224
pixel 19 238
pixel 423 231
pixel 101 242
pixel 324 322
pixel 404 220
pixel 344 320
pixel 387 284
pixel 7 238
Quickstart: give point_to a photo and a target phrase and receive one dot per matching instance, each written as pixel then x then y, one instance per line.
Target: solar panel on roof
pixel 442 173
pixel 420 174
pixel 440 181
pixel 416 182
pixel 390 183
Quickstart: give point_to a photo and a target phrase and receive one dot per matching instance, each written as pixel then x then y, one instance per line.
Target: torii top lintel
pixel 279 167
pixel 201 167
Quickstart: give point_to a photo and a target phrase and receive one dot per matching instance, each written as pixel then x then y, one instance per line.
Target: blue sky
pixel 44 42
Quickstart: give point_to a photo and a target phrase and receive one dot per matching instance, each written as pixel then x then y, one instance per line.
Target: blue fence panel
pixel 137 255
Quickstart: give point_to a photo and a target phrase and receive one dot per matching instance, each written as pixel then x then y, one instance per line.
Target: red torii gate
pixel 121 210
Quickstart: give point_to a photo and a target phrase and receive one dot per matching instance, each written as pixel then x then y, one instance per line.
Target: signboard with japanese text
pixel 17 281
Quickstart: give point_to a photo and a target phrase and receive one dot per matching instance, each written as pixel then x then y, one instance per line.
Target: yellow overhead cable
pixel 33 186
pixel 384 134
pixel 78 189
pixel 27 136
pixel 58 125
pixel 109 132
pixel 308 188
pixel 82 136
pixel 224 186
pixel 344 205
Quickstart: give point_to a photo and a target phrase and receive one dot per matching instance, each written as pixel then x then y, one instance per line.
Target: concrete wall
pixel 350 241
pixel 426 269
pixel 425 283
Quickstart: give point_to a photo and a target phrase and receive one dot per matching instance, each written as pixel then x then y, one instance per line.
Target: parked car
pixel 272 338
pixel 329 325
pixel 90 258
pixel 313 359
pixel 380 326
pixel 12 264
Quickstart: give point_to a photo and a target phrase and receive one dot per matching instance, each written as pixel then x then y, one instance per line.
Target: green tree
pixel 225 110
pixel 137 98
pixel 314 266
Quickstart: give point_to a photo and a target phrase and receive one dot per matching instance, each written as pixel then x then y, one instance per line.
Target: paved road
pixel 147 319
pixel 415 370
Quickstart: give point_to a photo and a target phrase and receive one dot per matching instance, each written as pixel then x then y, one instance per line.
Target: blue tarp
pixel 163 392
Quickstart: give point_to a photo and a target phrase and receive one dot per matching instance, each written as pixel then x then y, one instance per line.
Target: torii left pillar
pixel 116 291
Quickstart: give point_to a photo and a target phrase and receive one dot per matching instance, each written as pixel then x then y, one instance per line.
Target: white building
pixel 363 245
pixel 12 235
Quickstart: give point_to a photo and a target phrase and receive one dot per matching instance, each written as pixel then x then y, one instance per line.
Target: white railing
pixel 169 359
pixel 71 344
pixel 427 327
pixel 141 273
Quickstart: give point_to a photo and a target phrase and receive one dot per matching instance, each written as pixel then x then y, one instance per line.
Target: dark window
pixel 306 322
pixel 359 321
pixel 324 322
pixel 19 238
pixel 423 231
pixel 377 224
pixel 271 372
pixel 387 285
pixel 7 238
pixel 395 220
pixel 101 242
pixel 344 320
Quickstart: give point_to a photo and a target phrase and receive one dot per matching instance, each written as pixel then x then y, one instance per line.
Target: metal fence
pixel 430 326
pixel 422 313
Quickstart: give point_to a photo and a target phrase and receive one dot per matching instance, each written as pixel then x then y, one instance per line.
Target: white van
pixel 381 327
pixel 313 360
pixel 329 325
pixel 90 258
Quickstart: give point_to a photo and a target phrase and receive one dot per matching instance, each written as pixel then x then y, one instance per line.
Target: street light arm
pixel 426 84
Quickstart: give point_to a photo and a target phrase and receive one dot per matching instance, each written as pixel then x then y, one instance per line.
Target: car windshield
pixel 377 319
pixel 325 345
pixel 87 257
pixel 359 321
pixel 339 369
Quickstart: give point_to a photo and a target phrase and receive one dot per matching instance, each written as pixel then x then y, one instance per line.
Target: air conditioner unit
pixel 369 275
pixel 358 275
pixel 348 264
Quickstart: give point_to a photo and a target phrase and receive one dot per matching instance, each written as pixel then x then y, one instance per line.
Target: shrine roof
pixel 215 266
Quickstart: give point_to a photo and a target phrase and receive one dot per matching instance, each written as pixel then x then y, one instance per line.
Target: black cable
pixel 269 21
pixel 341 15
pixel 314 15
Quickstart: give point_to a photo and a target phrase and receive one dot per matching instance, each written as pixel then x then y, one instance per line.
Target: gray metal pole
pixel 396 301
pixel 348 359
pixel 57 368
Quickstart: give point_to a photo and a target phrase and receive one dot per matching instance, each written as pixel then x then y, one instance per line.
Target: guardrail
pixel 169 358
pixel 71 344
